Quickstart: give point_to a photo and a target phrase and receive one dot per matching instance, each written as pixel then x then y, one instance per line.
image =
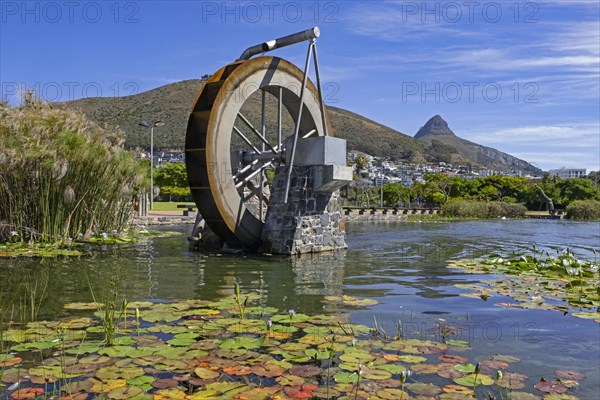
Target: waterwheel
pixel 230 147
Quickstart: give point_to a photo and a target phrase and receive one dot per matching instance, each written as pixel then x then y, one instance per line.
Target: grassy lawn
pixel 169 205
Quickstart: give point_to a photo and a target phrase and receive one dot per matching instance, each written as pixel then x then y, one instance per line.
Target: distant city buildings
pixel 565 173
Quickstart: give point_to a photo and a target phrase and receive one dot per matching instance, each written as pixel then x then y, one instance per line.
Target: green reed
pixel 62 177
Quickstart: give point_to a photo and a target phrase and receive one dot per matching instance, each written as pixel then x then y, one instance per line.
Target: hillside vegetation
pixel 172 103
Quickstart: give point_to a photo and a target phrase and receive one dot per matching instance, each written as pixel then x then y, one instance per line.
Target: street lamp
pixel 158 122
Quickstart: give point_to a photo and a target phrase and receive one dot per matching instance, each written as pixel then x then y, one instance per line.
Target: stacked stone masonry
pixel 309 222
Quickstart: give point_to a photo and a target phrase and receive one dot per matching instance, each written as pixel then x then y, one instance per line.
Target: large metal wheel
pixel 228 152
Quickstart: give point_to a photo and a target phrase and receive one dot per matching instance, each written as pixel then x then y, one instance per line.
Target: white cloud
pixel 582 135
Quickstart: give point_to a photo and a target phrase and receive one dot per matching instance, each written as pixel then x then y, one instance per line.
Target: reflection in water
pixel 319 274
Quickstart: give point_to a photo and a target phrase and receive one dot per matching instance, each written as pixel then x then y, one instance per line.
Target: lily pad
pixel 470 380
pixel 552 387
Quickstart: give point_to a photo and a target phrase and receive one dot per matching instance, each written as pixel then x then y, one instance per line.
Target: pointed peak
pixel 435 126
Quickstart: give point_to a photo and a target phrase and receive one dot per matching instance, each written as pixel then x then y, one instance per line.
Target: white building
pixel 565 173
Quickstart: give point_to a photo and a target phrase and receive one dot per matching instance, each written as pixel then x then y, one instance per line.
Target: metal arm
pixel 294 38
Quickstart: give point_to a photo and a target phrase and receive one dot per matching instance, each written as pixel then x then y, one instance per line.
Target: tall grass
pixel 61 175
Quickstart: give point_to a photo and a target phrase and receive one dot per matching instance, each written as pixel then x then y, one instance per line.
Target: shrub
pixel 61 175
pixel 584 209
pixel 482 209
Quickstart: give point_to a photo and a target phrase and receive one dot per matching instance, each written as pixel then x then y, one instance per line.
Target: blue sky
pixel 520 76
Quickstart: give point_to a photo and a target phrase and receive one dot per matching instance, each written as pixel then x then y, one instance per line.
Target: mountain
pixel 172 103
pixel 436 126
pixel 445 143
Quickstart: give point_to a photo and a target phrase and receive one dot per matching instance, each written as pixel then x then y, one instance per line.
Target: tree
pixel 395 193
pixel 577 189
pixel 361 162
pixel 173 183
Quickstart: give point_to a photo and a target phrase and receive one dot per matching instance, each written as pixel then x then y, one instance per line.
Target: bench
pixel 189 209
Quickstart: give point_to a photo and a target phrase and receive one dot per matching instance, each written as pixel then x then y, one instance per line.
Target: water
pixel 402 265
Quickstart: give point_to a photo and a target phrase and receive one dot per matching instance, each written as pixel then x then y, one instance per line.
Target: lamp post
pixel 158 122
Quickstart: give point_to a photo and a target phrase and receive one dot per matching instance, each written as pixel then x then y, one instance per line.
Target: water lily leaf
pixel 448 371
pixel 305 370
pixel 8 361
pixel 95 359
pixel 375 374
pixel 508 359
pixel 77 386
pixel 551 386
pixel 169 394
pixel 35 346
pixel 424 389
pixel 512 380
pixel 246 342
pixel 560 396
pixel 114 372
pixel 165 383
pixel 458 343
pixel 230 388
pixel 295 357
pixel 465 368
pixel 267 370
pixel 569 375
pixel 301 391
pixel 425 368
pixel 457 389
pixel 357 356
pixel 258 393
pixel 351 301
pixel 318 354
pixel 287 319
pixel 181 341
pixel 238 370
pixel 469 380
pixel 346 377
pixel 391 394
pixel 393 369
pixel 493 365
pixel 205 373
pixel 26 393
pixel 144 381
pixel 107 385
pixel 412 359
pixel 124 392
pixel 171 365
pixel 452 359
pixel 524 396
pixel 289 380
pixel 587 315
pixel 429 350
pixel 325 393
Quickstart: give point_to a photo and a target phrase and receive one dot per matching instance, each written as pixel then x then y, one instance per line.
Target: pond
pixel 404 266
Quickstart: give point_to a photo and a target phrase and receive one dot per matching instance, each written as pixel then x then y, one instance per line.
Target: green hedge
pixel 584 209
pixel 482 209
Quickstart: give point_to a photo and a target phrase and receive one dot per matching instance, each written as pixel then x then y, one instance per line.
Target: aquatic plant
pixel 62 177
pixel 198 349
pixel 541 281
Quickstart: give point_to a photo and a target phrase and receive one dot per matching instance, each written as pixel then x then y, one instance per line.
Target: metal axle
pixel 250 156
pixel 294 38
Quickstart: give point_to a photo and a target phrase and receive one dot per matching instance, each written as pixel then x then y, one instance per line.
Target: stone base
pixel 310 222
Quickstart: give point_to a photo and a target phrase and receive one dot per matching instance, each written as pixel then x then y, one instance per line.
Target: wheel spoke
pixel 243 180
pixel 256 132
pixel 245 139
